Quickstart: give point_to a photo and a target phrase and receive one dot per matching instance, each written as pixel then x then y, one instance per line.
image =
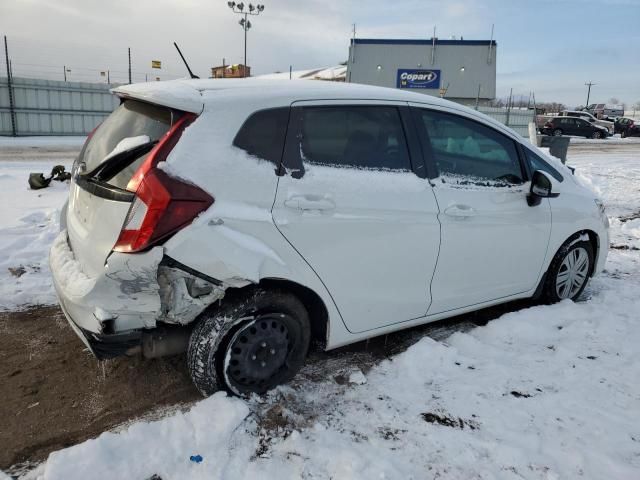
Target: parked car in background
pixel 558 126
pixel 600 110
pixel 305 211
pixel 627 127
pixel 589 118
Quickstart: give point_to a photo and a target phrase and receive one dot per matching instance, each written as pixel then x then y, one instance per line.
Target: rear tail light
pixel 163 204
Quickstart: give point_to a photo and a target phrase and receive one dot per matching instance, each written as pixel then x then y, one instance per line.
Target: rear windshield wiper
pixel 112 166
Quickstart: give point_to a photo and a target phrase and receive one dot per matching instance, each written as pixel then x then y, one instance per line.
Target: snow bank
pixel 29 222
pixel 162 448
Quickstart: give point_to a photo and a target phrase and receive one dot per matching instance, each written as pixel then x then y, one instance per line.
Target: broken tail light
pixel 163 204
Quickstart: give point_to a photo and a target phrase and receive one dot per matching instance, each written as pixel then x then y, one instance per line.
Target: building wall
pixel 450 56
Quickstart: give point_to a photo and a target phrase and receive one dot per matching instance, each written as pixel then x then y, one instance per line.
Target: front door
pixel 493 243
pixel 351 205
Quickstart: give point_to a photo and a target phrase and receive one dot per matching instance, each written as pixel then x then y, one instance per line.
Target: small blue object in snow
pixel 196 458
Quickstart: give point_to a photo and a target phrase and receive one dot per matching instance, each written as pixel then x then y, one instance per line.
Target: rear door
pixel 352 205
pixel 493 244
pixel 98 199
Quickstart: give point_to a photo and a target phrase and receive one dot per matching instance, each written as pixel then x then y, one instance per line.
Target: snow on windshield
pixel 127 143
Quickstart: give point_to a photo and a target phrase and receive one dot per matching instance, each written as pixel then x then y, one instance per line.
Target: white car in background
pixel 242 219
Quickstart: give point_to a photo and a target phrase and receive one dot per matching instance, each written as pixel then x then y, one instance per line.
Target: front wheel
pixel 596 135
pixel 569 271
pixel 251 344
pixel 557 132
pixel 623 134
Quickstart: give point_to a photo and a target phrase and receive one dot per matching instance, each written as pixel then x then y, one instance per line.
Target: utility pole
pixel 245 23
pixel 108 77
pixel 64 71
pixel 12 107
pixel 589 84
pixel 129 65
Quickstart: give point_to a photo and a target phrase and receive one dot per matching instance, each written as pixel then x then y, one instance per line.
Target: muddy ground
pixel 55 394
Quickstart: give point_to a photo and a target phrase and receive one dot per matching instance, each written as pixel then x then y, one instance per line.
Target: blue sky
pixel 551 47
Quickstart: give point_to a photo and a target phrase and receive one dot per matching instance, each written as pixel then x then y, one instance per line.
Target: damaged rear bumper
pixel 134 293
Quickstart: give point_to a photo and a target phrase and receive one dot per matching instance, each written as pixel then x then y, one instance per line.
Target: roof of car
pixel 192 95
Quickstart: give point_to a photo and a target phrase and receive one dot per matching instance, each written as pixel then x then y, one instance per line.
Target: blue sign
pixel 408 78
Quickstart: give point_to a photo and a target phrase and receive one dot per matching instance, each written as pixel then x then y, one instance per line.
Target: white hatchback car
pixel 242 219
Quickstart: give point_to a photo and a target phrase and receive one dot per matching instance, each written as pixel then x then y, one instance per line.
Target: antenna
pixel 191 74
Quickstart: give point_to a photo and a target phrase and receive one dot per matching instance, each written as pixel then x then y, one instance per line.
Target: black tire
pixel 596 135
pixel 557 132
pixel 279 343
pixel 570 247
pixel 623 134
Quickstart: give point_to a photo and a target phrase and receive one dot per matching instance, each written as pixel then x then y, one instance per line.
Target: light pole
pixel 245 23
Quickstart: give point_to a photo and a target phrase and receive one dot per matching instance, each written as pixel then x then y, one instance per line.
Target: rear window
pixel 263 134
pixel 131 120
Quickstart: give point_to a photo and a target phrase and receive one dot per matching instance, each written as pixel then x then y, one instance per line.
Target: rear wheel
pixel 557 132
pixel 569 271
pixel 623 134
pixel 253 343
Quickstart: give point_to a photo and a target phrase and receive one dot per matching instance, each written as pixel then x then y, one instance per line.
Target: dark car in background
pixel 626 127
pixel 558 126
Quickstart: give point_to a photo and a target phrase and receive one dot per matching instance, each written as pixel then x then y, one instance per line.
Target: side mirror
pixel 541 187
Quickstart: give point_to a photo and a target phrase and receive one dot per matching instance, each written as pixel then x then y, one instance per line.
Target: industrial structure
pixel 460 70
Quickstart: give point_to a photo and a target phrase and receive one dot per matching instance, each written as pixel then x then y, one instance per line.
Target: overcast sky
pixel 549 46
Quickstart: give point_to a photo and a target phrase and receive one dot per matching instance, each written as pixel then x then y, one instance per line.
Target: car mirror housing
pixel 541 187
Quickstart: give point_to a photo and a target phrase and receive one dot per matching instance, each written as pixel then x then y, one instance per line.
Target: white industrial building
pixel 460 70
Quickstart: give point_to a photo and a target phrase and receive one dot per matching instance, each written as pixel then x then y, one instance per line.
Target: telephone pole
pixel 129 65
pixel 589 84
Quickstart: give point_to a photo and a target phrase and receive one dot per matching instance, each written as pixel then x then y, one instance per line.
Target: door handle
pixel 460 211
pixel 304 202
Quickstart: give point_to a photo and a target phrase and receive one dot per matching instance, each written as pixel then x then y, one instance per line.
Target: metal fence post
pixel 12 108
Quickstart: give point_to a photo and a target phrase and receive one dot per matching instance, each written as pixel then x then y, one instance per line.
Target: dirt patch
pixel 55 394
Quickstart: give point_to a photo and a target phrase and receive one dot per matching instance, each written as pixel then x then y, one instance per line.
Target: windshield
pixel 131 124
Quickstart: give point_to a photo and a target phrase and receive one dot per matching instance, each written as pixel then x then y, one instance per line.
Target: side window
pixel 537 163
pixel 368 137
pixel 263 133
pixel 462 148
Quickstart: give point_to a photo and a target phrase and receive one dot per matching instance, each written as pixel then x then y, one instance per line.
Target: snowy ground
pixel 549 392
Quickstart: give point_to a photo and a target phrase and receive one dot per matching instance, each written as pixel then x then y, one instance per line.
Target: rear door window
pixel 263 133
pixel 466 151
pixel 368 137
pixel 133 123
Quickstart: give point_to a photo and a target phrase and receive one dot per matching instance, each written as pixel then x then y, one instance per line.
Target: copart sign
pixel 418 78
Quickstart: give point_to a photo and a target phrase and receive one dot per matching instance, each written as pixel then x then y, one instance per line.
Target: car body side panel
pixel 235 241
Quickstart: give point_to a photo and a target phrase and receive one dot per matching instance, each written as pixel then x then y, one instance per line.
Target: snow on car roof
pixel 192 95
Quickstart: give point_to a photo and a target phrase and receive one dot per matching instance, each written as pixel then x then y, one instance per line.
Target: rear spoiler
pixel 173 94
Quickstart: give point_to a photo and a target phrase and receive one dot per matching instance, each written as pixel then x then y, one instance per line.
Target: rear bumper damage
pixel 112 312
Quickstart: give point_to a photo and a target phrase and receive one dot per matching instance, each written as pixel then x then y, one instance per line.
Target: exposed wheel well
pixel 316 308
